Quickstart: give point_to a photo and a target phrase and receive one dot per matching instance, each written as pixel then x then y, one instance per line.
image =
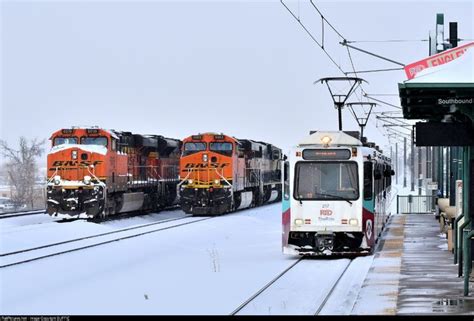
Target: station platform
pixel 413 272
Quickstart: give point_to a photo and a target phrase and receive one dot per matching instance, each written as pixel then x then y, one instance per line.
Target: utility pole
pixel 420 169
pixel 391 152
pixel 412 156
pixel 396 163
pixel 404 162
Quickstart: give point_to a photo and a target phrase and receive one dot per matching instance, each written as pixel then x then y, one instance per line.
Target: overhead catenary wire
pixel 320 44
pixel 383 102
pixel 387 40
pixel 311 35
pixel 373 70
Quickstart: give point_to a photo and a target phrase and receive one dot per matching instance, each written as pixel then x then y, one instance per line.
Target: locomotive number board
pixel 326 154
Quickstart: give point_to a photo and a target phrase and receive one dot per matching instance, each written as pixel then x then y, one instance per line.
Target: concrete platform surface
pixel 413 272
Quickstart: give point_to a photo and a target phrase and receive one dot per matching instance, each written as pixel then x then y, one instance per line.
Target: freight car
pixel 336 195
pixel 221 174
pixel 94 172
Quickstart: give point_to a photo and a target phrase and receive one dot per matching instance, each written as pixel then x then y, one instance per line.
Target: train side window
pixel 286 180
pixel 368 180
pixel 389 178
pixel 114 144
pixel 378 179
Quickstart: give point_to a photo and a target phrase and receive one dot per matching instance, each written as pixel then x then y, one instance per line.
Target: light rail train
pixel 336 195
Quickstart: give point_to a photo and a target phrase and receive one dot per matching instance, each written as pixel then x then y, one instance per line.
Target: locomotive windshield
pixel 326 181
pixel 102 141
pixel 64 140
pixel 191 148
pixel 221 148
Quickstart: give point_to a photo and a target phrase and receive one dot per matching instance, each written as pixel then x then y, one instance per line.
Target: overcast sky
pixel 244 68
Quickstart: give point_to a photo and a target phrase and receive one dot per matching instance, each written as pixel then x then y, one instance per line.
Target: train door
pixel 368 208
pixel 286 211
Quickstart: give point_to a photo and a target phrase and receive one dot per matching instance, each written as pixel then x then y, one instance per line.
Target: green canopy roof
pixel 437 92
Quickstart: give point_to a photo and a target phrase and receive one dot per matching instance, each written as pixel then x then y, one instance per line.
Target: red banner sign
pixel 436 60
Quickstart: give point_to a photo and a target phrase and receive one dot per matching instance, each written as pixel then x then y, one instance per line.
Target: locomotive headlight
pixel 204 157
pixel 216 181
pixel 353 221
pixel 190 181
pixel 74 154
pixel 87 179
pixel 57 180
pixel 298 221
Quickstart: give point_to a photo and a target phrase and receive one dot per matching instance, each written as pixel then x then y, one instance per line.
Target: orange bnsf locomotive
pixel 96 172
pixel 221 174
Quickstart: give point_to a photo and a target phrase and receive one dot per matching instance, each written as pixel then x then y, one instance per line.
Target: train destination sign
pixel 326 154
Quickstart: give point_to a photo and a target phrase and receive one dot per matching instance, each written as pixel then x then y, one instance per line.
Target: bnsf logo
pixel 212 165
pixel 75 163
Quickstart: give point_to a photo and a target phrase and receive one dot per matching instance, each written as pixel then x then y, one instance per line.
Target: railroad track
pixel 24 256
pixel 324 302
pixel 22 213
pixel 322 298
pixel 329 293
pixel 95 220
pixel 266 286
pixel 18 257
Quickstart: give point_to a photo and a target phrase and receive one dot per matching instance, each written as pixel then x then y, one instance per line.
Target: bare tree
pixel 21 168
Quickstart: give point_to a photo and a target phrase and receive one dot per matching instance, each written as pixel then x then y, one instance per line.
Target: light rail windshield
pixel 326 181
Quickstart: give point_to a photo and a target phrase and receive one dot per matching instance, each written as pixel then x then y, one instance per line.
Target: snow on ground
pixel 27 233
pixel 9 223
pixel 344 296
pixel 209 267
pixel 144 219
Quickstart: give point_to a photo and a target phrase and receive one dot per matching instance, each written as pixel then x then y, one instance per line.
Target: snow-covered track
pixel 54 249
pixel 243 305
pixel 326 298
pixel 22 213
pixel 313 286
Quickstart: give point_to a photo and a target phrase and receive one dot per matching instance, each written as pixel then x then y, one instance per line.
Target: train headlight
pixel 353 221
pixel 217 182
pixel 204 157
pixel 87 179
pixel 57 180
pixel 298 221
pixel 74 154
pixel 326 140
pixel 190 181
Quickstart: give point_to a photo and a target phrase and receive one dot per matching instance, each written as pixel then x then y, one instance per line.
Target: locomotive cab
pixel 207 163
pixel 220 174
pixel 77 171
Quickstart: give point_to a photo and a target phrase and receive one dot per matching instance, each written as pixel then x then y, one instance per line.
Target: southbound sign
pixel 436 60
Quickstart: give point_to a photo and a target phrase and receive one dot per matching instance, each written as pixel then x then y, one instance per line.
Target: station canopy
pixel 440 92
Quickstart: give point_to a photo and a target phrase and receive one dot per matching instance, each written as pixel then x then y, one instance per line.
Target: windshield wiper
pixel 335 196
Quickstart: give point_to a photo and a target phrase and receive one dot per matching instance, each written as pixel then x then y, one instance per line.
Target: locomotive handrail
pixel 52 176
pixel 222 176
pixel 184 179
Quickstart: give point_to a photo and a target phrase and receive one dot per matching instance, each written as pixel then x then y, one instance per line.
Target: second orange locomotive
pixel 221 174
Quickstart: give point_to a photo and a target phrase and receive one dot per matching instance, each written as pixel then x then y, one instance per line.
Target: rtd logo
pixel 325 212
